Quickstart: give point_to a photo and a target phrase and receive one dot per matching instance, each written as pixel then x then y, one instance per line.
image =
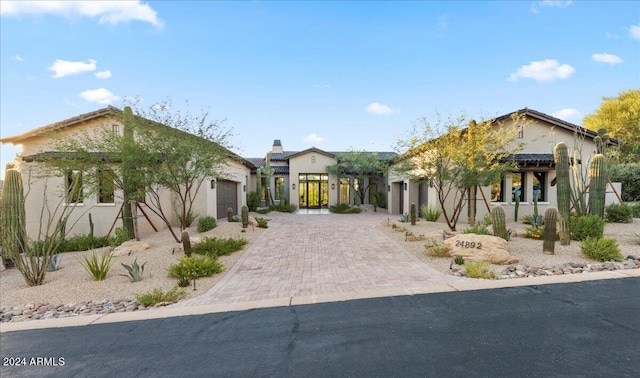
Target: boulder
pixel 130 247
pixel 487 248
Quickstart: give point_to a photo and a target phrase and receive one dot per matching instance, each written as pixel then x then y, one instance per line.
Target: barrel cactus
pixel 549 232
pixel 245 216
pixel 563 183
pixel 499 223
pixel 597 185
pixel 13 217
pixel 413 213
pixel 229 214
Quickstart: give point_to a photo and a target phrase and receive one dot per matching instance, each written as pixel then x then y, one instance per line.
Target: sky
pixel 338 76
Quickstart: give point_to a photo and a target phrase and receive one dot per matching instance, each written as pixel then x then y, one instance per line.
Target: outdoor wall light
pixel 333 186
pixel 405 186
pixel 213 184
pixel 388 188
pixel 244 188
pixel 293 186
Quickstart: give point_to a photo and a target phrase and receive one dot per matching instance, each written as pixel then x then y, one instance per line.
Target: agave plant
pixel 135 270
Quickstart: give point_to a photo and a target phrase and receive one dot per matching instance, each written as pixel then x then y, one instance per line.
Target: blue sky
pixel 334 75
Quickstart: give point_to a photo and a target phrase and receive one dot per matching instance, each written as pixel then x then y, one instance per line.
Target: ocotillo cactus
pixel 549 232
pixel 186 243
pixel 597 185
pixel 13 216
pixel 563 184
pixel 245 216
pixel 413 213
pixel 499 223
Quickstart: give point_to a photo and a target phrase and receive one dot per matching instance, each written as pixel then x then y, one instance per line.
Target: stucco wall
pixel 310 162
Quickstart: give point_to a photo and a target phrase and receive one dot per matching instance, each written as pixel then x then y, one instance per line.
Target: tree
pixel 161 152
pixel 621 117
pixel 356 166
pixel 456 159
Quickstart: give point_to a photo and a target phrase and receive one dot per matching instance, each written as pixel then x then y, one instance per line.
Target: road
pixel 588 329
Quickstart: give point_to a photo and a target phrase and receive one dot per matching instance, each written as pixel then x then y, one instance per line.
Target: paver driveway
pixel 306 255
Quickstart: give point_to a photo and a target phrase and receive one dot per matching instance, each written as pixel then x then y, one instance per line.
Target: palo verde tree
pixel 163 153
pixel 457 159
pixel 356 166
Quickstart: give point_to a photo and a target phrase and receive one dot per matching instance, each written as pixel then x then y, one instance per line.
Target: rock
pixel 130 246
pixel 480 248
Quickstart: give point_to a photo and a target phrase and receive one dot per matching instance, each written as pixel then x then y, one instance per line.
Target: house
pixel 534 176
pixel 306 181
pixel 105 202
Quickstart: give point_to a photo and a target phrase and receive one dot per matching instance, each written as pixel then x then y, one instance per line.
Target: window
pixel 497 190
pixel 73 186
pixel 115 128
pixel 520 132
pixel 313 158
pixel 105 186
pixel 279 185
pixel 517 186
pixel 540 186
pixel 344 190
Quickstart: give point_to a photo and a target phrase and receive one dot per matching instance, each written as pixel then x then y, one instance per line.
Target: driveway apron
pixel 307 255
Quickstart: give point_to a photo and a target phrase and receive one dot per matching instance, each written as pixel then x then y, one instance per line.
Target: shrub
pixel 206 223
pixel 263 222
pixel 189 218
pixel 479 270
pixel 635 210
pixel 344 208
pixel 629 175
pixel 603 249
pixel 284 208
pixel 121 236
pixel 459 260
pixel 478 229
pixel 135 271
pixel 214 247
pixel 201 266
pixel 587 226
pixel 184 281
pixel 157 295
pixel 381 199
pixel 534 232
pixel 618 213
pixel 263 210
pixel 437 249
pixel 98 267
pixel 75 243
pixel 430 213
pixel 253 201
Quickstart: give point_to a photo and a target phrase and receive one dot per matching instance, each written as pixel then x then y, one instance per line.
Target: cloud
pixel 107 12
pixel 314 139
pixel 543 71
pixel 17 58
pixel 550 4
pixel 568 114
pixel 606 58
pixel 99 96
pixel 103 74
pixel 380 109
pixel 611 36
pixel 64 68
pixel 634 31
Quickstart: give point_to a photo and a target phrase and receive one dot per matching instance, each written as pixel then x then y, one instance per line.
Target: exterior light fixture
pixel 244 188
pixel 213 184
pixel 405 186
pixel 388 188
pixel 293 186
pixel 333 186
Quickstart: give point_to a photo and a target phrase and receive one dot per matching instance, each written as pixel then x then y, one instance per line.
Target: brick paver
pixel 306 255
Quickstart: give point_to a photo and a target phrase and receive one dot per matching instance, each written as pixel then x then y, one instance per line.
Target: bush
pixel 253 201
pixel 603 249
pixel 618 213
pixel 437 249
pixel 635 210
pixel 206 223
pixel 381 199
pixel 344 208
pixel 202 266
pixel 587 226
pixel 157 295
pixel 263 222
pixel 77 243
pixel 97 267
pixel 479 270
pixel 629 175
pixel 214 247
pixel 284 208
pixel 478 229
pixel 430 213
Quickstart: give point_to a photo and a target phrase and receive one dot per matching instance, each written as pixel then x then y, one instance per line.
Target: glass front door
pixel 314 191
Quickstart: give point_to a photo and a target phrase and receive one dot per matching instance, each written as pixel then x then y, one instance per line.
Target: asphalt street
pixel 588 329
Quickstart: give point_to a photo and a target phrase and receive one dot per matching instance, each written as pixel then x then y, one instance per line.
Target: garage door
pixel 227 197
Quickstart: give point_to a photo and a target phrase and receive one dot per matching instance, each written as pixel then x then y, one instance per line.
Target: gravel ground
pixel 528 251
pixel 72 284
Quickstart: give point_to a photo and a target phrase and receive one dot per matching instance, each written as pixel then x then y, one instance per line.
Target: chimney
pixel 277 147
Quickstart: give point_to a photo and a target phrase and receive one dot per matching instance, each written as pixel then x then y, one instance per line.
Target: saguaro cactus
pixel 563 184
pixel 186 243
pixel 283 197
pixel 128 171
pixel 245 216
pixel 549 232
pixel 412 213
pixel 229 214
pixel 597 185
pixel 13 217
pixel 499 223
